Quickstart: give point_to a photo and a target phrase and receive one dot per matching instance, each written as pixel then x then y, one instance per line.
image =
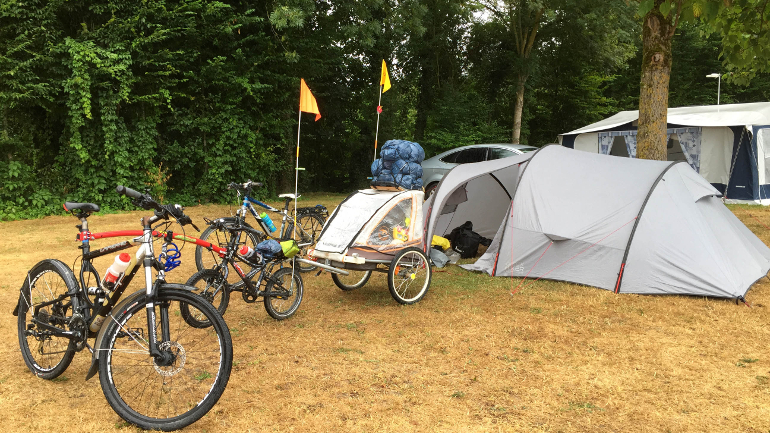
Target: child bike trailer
pixel 377 231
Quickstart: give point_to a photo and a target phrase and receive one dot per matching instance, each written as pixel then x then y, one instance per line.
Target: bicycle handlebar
pixel 246 185
pixel 145 201
pixel 128 192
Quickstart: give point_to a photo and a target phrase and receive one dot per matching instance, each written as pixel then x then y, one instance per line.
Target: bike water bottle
pixel 249 254
pixel 116 269
pixel 266 218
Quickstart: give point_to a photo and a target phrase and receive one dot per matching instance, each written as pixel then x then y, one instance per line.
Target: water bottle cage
pixel 173 258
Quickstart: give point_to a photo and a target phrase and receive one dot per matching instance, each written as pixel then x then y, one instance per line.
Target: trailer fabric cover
pixel 628 225
pixel 349 218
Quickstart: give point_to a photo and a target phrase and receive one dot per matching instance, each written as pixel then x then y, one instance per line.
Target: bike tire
pixel 205 259
pixel 309 230
pixel 211 286
pixel 354 280
pixel 409 276
pixel 47 281
pixel 281 298
pixel 195 379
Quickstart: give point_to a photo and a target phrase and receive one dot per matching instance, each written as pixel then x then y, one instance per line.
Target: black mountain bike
pixel 157 370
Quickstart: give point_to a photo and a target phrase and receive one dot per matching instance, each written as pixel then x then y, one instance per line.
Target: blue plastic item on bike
pixel 173 257
pixel 266 218
pixel 269 248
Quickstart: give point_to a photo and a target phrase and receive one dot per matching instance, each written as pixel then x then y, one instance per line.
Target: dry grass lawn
pixel 469 357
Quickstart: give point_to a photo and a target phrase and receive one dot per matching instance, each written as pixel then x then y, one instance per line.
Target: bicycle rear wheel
pixel 218 235
pixel 309 227
pixel 283 293
pixel 46 355
pixel 165 395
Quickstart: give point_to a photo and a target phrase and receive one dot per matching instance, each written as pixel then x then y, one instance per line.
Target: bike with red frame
pixel 156 369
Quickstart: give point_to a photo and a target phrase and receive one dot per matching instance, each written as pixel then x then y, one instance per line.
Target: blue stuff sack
pixel 376 167
pixel 400 166
pixel 390 154
pixel 411 152
pixel 415 170
pixel 269 248
pixel 385 176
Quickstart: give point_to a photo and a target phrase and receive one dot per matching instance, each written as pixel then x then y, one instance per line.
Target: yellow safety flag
pixel 307 102
pixel 384 78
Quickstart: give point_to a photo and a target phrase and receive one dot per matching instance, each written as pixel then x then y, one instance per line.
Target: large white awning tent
pixel 729 145
pixel 627 225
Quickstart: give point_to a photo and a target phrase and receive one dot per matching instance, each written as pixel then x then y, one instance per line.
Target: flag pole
pixel 296 184
pixel 377 130
pixel 296 174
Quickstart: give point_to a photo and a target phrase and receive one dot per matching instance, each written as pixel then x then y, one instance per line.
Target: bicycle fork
pixel 160 352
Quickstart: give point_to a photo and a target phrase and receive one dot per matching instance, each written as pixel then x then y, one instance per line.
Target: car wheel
pixel 430 189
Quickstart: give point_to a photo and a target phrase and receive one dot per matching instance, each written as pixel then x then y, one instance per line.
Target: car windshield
pixel 526 149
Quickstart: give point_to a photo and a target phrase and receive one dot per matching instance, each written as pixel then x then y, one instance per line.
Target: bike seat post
pixel 287 200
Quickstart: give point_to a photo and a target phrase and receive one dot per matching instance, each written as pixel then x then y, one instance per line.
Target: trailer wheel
pixel 409 276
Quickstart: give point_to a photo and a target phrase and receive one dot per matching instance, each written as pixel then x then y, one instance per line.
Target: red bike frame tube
pixel 120 233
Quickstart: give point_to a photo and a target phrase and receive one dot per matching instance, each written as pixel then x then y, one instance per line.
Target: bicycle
pixel 310 222
pixel 156 370
pixel 281 290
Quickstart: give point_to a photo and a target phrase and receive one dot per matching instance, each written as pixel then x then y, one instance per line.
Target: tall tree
pixel 522 20
pixel 743 25
pixel 554 41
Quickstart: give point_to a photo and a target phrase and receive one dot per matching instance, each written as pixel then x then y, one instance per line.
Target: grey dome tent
pixel 627 225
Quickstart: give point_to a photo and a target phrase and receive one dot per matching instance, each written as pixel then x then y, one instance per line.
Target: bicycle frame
pixel 144 255
pixel 248 203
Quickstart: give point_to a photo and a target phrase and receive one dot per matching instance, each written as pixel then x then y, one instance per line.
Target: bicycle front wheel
pixel 283 293
pixel 46 354
pixel 309 227
pixel 172 393
pixel 211 286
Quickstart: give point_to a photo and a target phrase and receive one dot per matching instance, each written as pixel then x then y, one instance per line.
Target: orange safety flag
pixel 307 101
pixel 384 78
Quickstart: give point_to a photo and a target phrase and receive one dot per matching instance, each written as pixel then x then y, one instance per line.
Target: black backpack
pixel 465 241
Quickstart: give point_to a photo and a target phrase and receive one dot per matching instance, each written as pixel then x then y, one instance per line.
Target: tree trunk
pixel 657 34
pixel 518 109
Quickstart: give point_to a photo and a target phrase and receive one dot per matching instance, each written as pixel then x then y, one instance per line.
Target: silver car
pixel 434 169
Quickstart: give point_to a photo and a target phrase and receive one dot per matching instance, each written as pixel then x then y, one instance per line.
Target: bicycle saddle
pixel 291 196
pixel 85 207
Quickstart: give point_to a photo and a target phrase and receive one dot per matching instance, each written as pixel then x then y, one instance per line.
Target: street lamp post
pixel 719 84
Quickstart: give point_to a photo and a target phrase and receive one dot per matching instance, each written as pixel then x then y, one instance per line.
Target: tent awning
pixel 757 113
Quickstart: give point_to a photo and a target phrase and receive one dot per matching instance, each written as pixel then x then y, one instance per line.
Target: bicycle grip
pixel 128 192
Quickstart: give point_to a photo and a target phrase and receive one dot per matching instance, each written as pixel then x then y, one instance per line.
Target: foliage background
pixel 185 96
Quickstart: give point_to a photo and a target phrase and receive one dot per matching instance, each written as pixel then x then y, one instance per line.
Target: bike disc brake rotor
pixel 178 364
